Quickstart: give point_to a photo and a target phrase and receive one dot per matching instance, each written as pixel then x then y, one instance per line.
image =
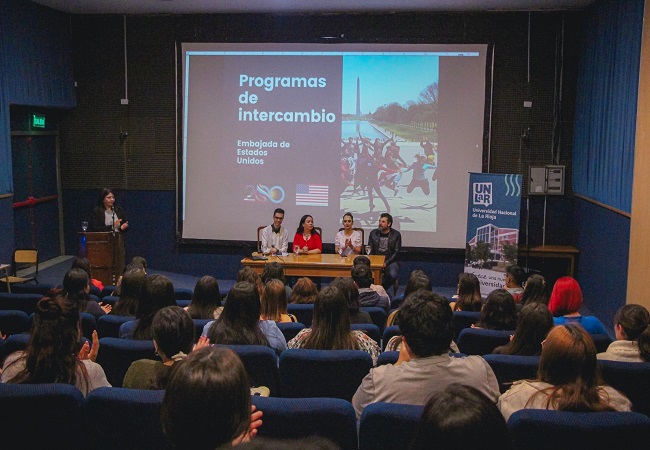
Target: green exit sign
pixel 38 121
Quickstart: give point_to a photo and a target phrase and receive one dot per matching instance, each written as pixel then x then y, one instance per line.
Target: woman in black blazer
pixel 106 216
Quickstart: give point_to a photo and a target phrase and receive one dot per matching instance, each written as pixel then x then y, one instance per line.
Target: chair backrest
pixel 110 299
pixel 360 230
pixel 389 332
pixel 322 373
pixel 601 341
pixel 387 358
pixel 183 293
pixel 511 368
pixel 108 290
pixel 88 325
pixel 261 364
pixel 39 415
pixel 128 328
pixel 199 324
pixel 25 258
pixel 32 288
pixel 109 325
pixel 370 329
pixel 377 314
pixel 533 429
pixel 478 341
pixel 304 312
pixel 259 237
pixel 631 378
pixel 463 319
pixel 116 355
pixel 22 302
pixel 94 290
pixel 290 329
pixel 183 302
pixel 388 426
pixel 292 418
pixel 134 416
pixel 13 321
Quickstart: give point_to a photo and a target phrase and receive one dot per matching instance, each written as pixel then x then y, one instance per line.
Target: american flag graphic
pixel 312 194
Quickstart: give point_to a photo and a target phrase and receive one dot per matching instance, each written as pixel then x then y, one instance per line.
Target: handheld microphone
pixel 113 211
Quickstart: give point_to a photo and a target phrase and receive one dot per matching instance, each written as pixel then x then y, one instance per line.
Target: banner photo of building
pixel 492 227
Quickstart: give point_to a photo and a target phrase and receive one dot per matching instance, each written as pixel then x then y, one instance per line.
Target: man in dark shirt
pixel 386 241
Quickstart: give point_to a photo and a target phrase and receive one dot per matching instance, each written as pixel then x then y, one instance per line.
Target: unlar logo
pixel 482 194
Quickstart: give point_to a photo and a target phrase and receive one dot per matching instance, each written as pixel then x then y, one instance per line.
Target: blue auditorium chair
pixel 322 373
pixel 261 364
pixel 183 293
pixel 387 358
pixel 463 319
pixel 125 418
pixel 21 302
pixel 370 329
pixel 42 416
pixel 116 355
pixel 389 332
pixel 293 418
pixel 198 327
pixel 601 341
pixel 478 341
pixel 388 426
pixel 13 321
pixel 632 379
pixel 304 312
pixel 108 290
pixel 290 329
pixel 377 314
pixel 110 299
pixel 533 429
pixel 511 368
pixel 109 325
pixel 41 289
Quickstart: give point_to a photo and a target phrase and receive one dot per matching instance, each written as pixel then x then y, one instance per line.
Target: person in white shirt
pixel 275 238
pixel 348 241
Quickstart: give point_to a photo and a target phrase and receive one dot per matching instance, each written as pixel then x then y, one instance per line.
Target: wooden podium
pixel 105 251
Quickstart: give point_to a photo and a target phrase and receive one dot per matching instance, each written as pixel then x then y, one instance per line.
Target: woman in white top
pixel 632 328
pixel 347 239
pixel 568 378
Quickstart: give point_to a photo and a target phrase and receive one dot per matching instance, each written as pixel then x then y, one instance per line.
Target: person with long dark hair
pixel 240 324
pixel 107 216
pixel 535 321
pixel 304 291
pixel 350 291
pixel 207 402
pixel 54 353
pixel 307 237
pixel 535 290
pixel 77 287
pixel 568 378
pixel 206 299
pixel 158 293
pixel 469 293
pixel 330 328
pixel 632 329
pixel 132 290
pixel 498 312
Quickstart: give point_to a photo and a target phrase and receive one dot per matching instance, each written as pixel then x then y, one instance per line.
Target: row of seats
pixel 129 418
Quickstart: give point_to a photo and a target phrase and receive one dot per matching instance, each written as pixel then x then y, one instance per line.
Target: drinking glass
pixel 84 225
pixel 367 249
pixel 341 252
pixel 296 250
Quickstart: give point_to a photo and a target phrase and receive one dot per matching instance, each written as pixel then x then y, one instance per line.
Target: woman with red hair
pixel 565 303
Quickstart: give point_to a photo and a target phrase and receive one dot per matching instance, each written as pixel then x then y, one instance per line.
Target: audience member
pixel 568 378
pixel 515 277
pixel 158 293
pixel 460 417
pixel 417 280
pixel 76 287
pixel 302 443
pixel 54 353
pixel 173 339
pixel 469 294
pixel 498 312
pixel 274 302
pixel 424 367
pixel 349 289
pixel 304 291
pixel 84 264
pixel 331 327
pixel 362 276
pixel 132 290
pixel 240 324
pixel 275 270
pixel 535 290
pixel 632 329
pixel 206 299
pixel 363 259
pixel 535 321
pixel 207 402
pixel 249 275
pixel 565 302
pixel 140 260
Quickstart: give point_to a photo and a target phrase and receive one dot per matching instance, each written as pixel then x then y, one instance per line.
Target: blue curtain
pixel 606 102
pixel 35 67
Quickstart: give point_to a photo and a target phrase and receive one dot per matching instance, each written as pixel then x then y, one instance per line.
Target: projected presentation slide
pixel 327 129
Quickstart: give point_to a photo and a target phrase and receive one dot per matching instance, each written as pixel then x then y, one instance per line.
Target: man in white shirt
pixel 424 366
pixel 275 238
